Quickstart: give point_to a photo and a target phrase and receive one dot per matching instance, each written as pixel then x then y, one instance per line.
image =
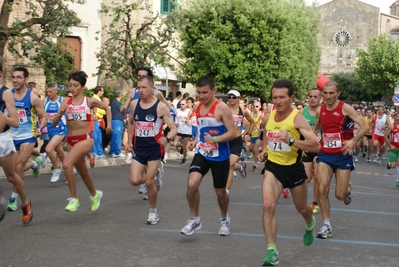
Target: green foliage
pixel 129 46
pixel 247 44
pixel 378 68
pixel 352 88
pixel 56 62
pixel 30 37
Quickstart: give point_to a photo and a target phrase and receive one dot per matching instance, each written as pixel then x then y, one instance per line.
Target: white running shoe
pixel 191 226
pixel 224 229
pixel 153 218
pixel 142 188
pixel 44 160
pixel 56 176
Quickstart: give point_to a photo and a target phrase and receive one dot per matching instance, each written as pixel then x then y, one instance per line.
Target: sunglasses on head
pixel 232 97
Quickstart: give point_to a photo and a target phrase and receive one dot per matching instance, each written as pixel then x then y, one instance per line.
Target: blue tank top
pixel 147 126
pixel 51 108
pixel 27 118
pixel 3 107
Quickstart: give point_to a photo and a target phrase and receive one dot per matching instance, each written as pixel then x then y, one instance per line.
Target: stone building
pixel 348 25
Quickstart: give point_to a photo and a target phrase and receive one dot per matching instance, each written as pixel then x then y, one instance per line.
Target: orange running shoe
pixel 92 160
pixel 27 214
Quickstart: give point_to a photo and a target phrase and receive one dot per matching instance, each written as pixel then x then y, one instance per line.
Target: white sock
pixel 34 164
pixel 327 222
pixel 14 195
pixel 227 191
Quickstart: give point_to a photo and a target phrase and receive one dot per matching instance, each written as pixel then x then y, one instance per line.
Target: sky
pixel 382 4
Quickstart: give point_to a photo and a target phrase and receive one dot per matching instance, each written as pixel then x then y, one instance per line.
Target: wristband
pixel 215 139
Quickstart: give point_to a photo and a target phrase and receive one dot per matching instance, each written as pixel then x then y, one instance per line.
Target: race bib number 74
pixel 276 144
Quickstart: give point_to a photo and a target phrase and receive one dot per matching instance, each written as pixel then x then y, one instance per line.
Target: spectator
pixel 117 126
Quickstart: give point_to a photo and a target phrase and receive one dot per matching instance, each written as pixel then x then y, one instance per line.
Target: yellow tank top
pixel 278 151
pixel 256 130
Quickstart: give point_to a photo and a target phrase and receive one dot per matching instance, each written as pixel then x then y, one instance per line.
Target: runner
pixel 215 129
pixel 29 108
pixel 79 139
pixel 392 139
pixel 147 117
pixel 9 117
pixel 236 145
pixel 336 120
pixel 256 116
pixel 309 158
pixel 381 123
pixel 56 134
pixel 284 169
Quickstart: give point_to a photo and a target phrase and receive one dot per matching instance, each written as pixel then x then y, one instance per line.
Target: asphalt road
pixel 365 233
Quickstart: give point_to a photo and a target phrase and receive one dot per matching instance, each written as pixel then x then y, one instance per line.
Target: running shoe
pixel 271 258
pixel 242 156
pixel 191 226
pixel 364 154
pixel 101 157
pixel 250 156
pixel 142 188
pixel 383 157
pixel 95 201
pixel 388 165
pixel 36 171
pixel 145 196
pixel 397 184
pixel 183 162
pixel 56 176
pixel 153 218
pixel 235 177
pixel 368 159
pixel 92 160
pixel 128 159
pixel 376 159
pixel 379 161
pixel 325 232
pixel 27 214
pixel 348 199
pixel 118 156
pixel 315 208
pixel 254 168
pixel 158 177
pixel 355 159
pixel 43 156
pixel 286 192
pixel 243 170
pixel 224 229
pixel 73 204
pixel 308 237
pixel 12 204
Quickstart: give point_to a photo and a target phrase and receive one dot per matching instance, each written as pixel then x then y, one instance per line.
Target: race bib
pixel 76 113
pixel 50 117
pixel 396 138
pixel 208 150
pixel 22 118
pixel 276 144
pixel 332 140
pixel 237 120
pixel 145 129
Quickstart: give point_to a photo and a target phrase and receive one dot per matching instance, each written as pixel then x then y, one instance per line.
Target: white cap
pixel 234 92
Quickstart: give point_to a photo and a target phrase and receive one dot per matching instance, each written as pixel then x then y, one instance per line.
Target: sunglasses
pixel 232 97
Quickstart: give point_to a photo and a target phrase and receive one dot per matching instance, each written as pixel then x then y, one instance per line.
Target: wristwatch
pixel 291 141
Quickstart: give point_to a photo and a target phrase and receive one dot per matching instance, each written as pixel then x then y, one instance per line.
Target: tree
pixel 30 36
pixel 248 44
pixel 352 88
pixel 378 68
pixel 129 45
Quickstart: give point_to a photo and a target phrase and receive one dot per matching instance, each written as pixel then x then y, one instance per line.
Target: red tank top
pixel 336 128
pixel 395 135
